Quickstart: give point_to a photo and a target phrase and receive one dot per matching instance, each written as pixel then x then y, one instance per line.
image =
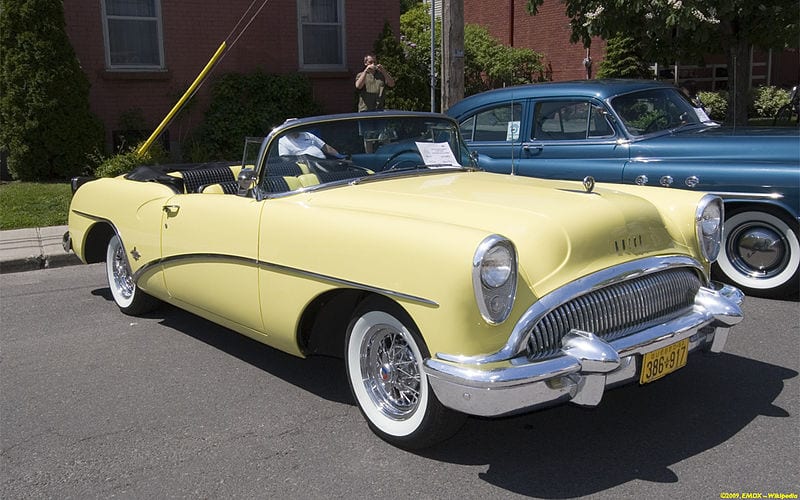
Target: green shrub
pixel 250 105
pixel 767 100
pixel 716 104
pixel 125 161
pixel 46 126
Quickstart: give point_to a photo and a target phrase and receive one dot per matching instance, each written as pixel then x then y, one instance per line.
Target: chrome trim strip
pixel 93 217
pixel 516 343
pixel 283 269
pixel 753 196
pixel 353 284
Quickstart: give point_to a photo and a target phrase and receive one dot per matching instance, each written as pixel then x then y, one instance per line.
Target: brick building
pixel 142 54
pixel 548 33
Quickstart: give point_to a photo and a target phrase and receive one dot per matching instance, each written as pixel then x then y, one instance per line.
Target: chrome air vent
pixel 617 310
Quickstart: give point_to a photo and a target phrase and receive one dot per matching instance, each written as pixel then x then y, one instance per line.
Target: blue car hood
pixel 725 145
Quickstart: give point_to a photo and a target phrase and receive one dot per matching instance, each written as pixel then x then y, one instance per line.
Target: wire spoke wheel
pixel 390 371
pixel 384 359
pixel 127 296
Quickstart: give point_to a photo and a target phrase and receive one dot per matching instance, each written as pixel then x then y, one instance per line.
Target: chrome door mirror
pixel 246 181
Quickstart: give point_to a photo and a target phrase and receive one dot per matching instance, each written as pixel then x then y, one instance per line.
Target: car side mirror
pixel 473 156
pixel 246 181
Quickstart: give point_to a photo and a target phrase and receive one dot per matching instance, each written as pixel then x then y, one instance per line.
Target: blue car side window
pixel 569 121
pixel 599 124
pixel 498 124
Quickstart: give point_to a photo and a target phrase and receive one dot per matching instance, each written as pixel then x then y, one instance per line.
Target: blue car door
pixel 570 138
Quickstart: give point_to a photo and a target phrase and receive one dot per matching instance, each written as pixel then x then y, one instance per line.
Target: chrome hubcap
pixel 122 275
pixel 757 251
pixel 390 372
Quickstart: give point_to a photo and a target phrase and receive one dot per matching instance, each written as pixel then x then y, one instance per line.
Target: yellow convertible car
pixel 448 291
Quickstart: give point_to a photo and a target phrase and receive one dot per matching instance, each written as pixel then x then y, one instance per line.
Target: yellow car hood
pixel 560 231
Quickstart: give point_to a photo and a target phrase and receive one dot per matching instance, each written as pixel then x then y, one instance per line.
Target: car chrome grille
pixel 617 310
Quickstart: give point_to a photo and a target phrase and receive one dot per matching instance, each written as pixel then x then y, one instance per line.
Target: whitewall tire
pixel 127 296
pixel 384 357
pixel 760 254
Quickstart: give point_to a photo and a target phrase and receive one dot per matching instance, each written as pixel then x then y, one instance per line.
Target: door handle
pixel 528 147
pixel 171 210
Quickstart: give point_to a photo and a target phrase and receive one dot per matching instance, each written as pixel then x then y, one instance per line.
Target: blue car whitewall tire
pixel 760 254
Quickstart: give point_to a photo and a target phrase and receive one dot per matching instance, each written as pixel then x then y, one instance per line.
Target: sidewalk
pixel 33 248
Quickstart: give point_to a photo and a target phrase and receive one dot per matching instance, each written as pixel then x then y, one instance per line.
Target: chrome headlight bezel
pixel 709 219
pixel 494 278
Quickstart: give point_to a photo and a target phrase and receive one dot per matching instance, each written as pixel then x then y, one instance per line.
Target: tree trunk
pixel 738 82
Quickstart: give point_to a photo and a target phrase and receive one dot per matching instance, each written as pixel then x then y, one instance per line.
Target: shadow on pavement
pixel 566 451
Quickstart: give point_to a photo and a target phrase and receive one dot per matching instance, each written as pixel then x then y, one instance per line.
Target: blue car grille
pixel 617 310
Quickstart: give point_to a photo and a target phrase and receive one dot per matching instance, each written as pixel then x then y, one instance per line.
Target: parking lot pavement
pixel 34 248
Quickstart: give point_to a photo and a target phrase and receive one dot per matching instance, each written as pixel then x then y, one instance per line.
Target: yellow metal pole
pixel 186 96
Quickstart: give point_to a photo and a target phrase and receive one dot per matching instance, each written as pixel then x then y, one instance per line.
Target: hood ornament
pixel 588 183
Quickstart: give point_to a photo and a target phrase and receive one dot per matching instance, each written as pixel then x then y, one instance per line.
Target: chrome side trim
pixel 750 196
pixel 189 257
pixel 516 343
pixel 352 284
pixel 283 269
pixel 90 216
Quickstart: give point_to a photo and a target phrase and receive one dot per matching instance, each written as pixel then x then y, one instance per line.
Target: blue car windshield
pixel 658 110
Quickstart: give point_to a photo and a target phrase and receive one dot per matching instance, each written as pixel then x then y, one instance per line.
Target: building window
pixel 321 34
pixel 133 36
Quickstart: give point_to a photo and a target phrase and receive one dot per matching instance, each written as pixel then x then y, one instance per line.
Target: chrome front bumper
pixel 586 366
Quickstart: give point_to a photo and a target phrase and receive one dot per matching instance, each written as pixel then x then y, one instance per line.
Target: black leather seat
pixel 194 180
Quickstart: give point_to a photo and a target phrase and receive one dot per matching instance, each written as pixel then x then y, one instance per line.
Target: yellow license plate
pixel 664 361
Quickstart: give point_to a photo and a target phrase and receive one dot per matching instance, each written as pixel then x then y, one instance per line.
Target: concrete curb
pixel 34 248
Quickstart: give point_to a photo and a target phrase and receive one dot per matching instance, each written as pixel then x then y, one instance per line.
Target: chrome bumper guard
pixel 66 242
pixel 586 365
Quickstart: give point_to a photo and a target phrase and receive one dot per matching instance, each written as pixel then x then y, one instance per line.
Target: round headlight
pixel 710 215
pixel 497 266
pixel 494 278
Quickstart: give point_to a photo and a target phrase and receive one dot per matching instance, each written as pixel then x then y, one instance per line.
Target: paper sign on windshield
pixel 437 154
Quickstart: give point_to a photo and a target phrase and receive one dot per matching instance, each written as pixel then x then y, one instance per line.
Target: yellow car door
pixel 209 246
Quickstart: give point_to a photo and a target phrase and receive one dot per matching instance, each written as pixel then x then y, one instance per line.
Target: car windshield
pixel 339 149
pixel 657 110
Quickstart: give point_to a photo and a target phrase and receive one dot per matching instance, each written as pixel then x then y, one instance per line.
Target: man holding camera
pixel 371 84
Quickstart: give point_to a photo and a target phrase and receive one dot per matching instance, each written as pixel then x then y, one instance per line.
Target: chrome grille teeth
pixel 617 310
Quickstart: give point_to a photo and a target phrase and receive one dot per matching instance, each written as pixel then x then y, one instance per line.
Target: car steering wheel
pixel 393 163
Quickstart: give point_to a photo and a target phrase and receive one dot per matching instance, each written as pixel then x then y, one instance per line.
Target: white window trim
pixel 159 34
pixel 323 67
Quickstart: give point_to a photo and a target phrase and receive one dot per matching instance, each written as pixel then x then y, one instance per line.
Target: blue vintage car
pixel 649 133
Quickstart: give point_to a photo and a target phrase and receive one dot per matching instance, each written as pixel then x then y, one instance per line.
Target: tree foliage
pixel 623 59
pixel 688 30
pixel 46 125
pixel 487 62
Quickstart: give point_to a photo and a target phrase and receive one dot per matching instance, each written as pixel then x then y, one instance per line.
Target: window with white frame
pixel 321 33
pixel 133 36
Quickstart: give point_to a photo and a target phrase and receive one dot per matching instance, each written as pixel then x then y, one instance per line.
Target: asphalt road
pixel 96 404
